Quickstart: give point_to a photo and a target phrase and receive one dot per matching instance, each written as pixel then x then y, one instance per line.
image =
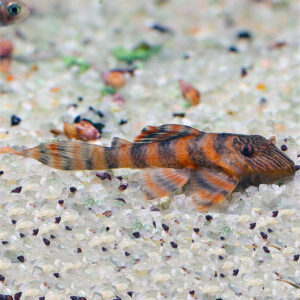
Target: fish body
pixel 12 12
pixel 210 165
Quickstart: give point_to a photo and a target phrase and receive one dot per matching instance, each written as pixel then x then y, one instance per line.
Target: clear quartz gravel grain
pixel 175 250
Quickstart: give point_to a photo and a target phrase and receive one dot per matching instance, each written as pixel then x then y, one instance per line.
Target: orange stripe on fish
pixel 211 165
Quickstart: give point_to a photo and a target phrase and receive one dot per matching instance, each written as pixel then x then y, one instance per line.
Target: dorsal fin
pixel 152 134
pixel 118 142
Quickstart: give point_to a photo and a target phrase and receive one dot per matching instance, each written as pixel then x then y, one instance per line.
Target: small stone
pixel 107 213
pixel 123 122
pixel 18 296
pixel 46 241
pixel 21 258
pixel 107 228
pixel 222 238
pixel 243 72
pixel 127 253
pixel 274 213
pixel 266 249
pixel 154 208
pixel 15 120
pixel 22 235
pixel 123 187
pixel 35 231
pixel 196 230
pixel 222 275
pixel 179 115
pixel 52 236
pixel 104 176
pixel 296 257
pixel 73 189
pixel 17 190
pixel 220 257
pixel 57 220
pixel 165 227
pixel 252 225
pixel 80 98
pixel 1 172
pixel 244 34
pixel 136 235
pixel 283 147
pixel 192 293
pixel 130 293
pixel 56 275
pixel 4 242
pixel 233 49
pixel 60 202
pixel 79 250
pixel 173 244
pixel 263 235
pixel 208 217
pixel 13 221
pixel 235 272
pixel 2 278
pixel 104 249
pixel 270 230
pixel 68 228
pixel 42 298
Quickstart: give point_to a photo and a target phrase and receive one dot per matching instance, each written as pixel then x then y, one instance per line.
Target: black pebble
pixel 104 176
pixel 21 258
pixel 127 253
pixel 262 100
pixel 35 231
pixel 235 272
pixel 136 234
pixel 192 293
pixel 15 120
pixel 208 217
pixel 13 221
pixel 179 115
pixel 61 202
pixel 196 230
pixel 165 227
pixel 104 249
pixel 252 225
pixel 130 293
pixel 274 213
pixel 46 241
pixel 17 190
pixel 283 147
pixel 222 275
pixel 2 278
pixel 243 72
pixel 52 236
pixel 1 173
pixel 233 49
pixel 263 235
pixel 57 220
pixel 296 257
pixel 174 245
pixel 4 242
pixel 270 230
pixel 56 275
pixel 42 298
pixel 68 228
pixel 73 189
pixel 244 34
pixel 222 238
pixel 220 257
pixel 18 296
pixel 79 250
pixel 22 235
pixel 79 98
pixel 266 249
pixel 122 122
pixel 77 119
pixel 161 28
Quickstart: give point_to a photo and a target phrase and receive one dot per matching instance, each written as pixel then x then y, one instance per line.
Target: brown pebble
pixel 266 249
pixel 165 227
pixel 174 245
pixel 17 190
pixel 57 220
pixel 107 213
pixel 136 235
pixel 235 272
pixel 83 130
pixel 252 225
pixel 115 79
pixel 68 228
pixel 263 235
pixel 284 147
pixel 296 257
pixel 189 93
pixel 79 250
pixel 18 296
pixel 123 187
pixel 46 241
pixel 104 176
pixel 274 213
pixel 21 258
pixel 196 230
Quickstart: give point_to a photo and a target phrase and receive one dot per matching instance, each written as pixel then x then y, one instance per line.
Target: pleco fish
pixel 211 165
pixel 12 12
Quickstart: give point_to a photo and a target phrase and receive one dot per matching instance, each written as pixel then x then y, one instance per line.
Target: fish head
pixel 260 161
pixel 254 159
pixel 12 12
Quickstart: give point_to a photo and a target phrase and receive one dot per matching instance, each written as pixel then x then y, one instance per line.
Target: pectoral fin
pixel 157 183
pixel 209 187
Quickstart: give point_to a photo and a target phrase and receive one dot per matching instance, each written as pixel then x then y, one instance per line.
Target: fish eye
pixel 14 9
pixel 247 150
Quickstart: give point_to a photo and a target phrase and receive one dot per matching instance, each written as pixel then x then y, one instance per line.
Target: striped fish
pixel 210 165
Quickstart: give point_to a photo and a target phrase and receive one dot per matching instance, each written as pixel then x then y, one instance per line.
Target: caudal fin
pixel 66 155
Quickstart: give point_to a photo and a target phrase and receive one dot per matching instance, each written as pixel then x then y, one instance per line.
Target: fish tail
pixel 67 155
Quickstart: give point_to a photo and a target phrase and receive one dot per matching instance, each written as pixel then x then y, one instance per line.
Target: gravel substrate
pixel 85 235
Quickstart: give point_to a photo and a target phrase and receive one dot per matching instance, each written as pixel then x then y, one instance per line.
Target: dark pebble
pixel 119 178
pixel 161 28
pixel 21 258
pixel 219 299
pixel 17 190
pixel 244 34
pixel 123 187
pixel 123 122
pixel 79 98
pixel 220 257
pixel 192 293
pixel 270 230
pixel 117 298
pixel 42 298
pixel 104 249
pixel 77 119
pixel 46 241
pixel 154 208
pixel 52 236
pixel 15 120
pixel 208 217
pixel 22 235
pixel 130 293
pixel 73 189
pixel 222 238
pixel 252 225
pixel 222 275
pixel 165 227
pixel 2 278
pixel 262 100
pixel 154 224
pixel 1 173
pixel 13 221
pixel 174 245
pixel 263 235
pixel 4 242
pixel 235 272
pixel 296 257
pixel 243 72
pixel 121 200
pixel 57 220
pixel 283 147
pixel 61 202
pixel 196 230
pixel 56 275
pixel 266 249
pixel 74 298
pixel 68 228
pixel 274 213
pixel 297 168
pixel 107 228
pixel 180 115
pixel 127 253
pixel 18 296
pixel 35 231
pixel 233 49
pixel 104 176
pixel 136 235
pixel 79 250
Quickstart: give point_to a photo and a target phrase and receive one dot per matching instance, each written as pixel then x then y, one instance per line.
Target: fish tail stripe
pixel 182 152
pixel 166 154
pixel 219 181
pixel 138 155
pixel 151 155
pixel 111 157
pixel 208 149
